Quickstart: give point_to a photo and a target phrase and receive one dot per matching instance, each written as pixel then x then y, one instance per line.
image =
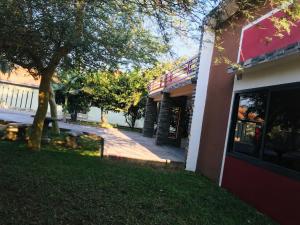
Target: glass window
pixel 250 118
pixel 174 122
pixel 282 140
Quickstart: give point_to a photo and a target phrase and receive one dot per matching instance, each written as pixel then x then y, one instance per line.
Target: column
pixel 150 117
pixel 206 54
pixel 163 125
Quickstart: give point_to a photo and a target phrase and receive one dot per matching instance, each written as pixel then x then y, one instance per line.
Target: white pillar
pixel 200 98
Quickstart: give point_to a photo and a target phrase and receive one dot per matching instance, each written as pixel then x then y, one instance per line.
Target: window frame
pixel 232 123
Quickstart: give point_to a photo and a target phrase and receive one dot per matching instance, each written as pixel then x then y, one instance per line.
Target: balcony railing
pixel 184 72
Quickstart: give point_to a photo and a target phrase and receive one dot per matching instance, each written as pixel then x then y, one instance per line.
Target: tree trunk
pixel 65 110
pixel 133 121
pixel 74 116
pixel 103 119
pixel 35 138
pixel 53 110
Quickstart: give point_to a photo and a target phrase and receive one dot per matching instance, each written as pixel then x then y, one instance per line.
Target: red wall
pixel 275 195
pixel 261 38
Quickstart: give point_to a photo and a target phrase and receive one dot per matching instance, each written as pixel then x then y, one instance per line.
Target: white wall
pixel 200 99
pixel 8 99
pixel 276 73
pixel 113 118
pixel 118 118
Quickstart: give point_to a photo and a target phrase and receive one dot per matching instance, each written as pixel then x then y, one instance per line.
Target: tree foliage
pixel 38 35
pixel 72 94
pixel 44 35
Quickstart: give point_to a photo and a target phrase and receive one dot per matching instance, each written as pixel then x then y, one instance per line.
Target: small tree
pixel 72 93
pixel 135 112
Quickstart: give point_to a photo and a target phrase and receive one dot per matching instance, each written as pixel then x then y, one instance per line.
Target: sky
pixel 184 47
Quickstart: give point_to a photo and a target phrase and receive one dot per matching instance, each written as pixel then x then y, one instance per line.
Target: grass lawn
pixel 65 187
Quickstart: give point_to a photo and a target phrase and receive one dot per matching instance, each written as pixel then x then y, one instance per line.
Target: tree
pixel 135 89
pixel 101 85
pixel 124 91
pixel 72 93
pixel 37 35
pixel 135 112
pixel 53 111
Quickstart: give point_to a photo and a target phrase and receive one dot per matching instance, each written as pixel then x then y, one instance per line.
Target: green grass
pixel 59 186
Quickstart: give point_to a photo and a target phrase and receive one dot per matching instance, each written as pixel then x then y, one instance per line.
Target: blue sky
pixel 185 47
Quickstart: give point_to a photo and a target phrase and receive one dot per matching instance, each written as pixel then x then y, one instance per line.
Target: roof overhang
pixel 226 9
pixel 221 13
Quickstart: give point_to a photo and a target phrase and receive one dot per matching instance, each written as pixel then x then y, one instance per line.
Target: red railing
pixel 185 71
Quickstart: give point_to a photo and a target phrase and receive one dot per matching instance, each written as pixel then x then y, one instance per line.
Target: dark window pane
pixel 250 120
pixel 174 122
pixel 282 145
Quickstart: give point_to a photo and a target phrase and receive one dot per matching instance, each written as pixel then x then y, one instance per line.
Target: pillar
pixel 207 48
pixel 163 125
pixel 150 117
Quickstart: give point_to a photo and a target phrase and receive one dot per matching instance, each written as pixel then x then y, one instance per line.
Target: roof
pixel 226 9
pixel 221 13
pixel 19 76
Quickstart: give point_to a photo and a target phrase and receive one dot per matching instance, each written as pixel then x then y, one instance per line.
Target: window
pixel 249 125
pixel 282 140
pixel 174 122
pixel 266 126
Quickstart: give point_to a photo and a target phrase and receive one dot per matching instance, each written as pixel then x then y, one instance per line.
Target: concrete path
pixel 118 143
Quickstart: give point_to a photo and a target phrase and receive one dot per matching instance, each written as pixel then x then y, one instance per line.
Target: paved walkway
pixel 118 143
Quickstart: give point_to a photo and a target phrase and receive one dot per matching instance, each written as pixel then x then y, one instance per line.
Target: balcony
pixel 179 77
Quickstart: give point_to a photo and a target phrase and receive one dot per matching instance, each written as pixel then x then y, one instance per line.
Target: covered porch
pixel 170 104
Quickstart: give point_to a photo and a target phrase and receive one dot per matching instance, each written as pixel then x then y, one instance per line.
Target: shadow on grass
pixel 58 186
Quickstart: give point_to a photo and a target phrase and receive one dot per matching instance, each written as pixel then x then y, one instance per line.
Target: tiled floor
pixel 118 143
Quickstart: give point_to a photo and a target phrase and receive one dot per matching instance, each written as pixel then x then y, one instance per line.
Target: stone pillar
pixel 150 117
pixel 191 108
pixel 163 125
pixel 191 105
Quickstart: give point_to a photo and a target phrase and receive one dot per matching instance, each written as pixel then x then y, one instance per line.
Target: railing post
pixel 171 77
pixel 165 80
pixel 188 68
pixel 180 73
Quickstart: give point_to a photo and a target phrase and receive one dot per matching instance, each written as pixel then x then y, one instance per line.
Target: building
pixel 245 126
pixel 19 91
pixel 169 105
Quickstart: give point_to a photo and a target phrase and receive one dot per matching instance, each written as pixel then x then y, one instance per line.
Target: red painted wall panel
pixel 261 38
pixel 275 195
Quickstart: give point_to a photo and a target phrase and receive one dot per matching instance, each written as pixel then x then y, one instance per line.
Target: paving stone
pixel 118 143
